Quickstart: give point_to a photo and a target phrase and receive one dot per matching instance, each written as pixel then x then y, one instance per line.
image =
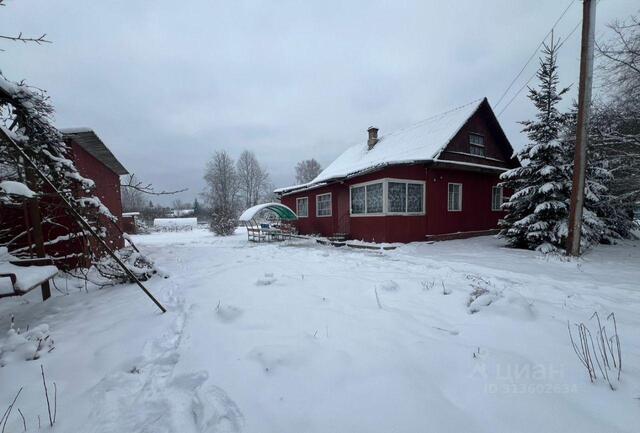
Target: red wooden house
pixel 93 160
pixel 436 179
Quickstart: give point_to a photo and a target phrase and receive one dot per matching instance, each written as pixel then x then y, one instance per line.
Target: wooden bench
pixel 18 277
pixel 268 234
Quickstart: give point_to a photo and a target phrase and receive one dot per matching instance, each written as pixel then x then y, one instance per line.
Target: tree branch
pixel 147 188
pixel 19 38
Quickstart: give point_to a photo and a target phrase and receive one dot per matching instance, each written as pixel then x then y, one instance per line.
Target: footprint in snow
pixel 275 357
pixel 215 412
pixel 228 313
pixel 267 280
pixel 190 381
pixel 389 286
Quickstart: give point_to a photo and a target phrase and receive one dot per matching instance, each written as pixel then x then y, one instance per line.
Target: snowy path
pixel 305 338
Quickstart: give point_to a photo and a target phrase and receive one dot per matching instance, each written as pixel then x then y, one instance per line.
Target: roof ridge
pixel 91 143
pixel 434 117
pixel 356 143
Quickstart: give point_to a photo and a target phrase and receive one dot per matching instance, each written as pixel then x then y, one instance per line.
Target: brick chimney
pixel 373 137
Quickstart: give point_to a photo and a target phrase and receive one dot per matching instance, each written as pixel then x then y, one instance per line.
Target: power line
pixel 569 35
pixel 534 74
pixel 517 93
pixel 534 53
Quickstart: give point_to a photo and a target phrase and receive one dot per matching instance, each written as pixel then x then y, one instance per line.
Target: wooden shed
pixel 63 238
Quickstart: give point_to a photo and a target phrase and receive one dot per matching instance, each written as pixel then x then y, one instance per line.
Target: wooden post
pixel 582 131
pixel 35 219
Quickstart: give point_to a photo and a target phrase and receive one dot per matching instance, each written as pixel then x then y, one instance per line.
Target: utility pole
pixel 582 132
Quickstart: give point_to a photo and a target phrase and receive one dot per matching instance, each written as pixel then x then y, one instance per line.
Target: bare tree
pixel 134 193
pixel 619 69
pixel 620 56
pixel 178 204
pixel 616 116
pixel 222 192
pixel 42 39
pixel 133 183
pixel 253 179
pixel 132 199
pixel 307 170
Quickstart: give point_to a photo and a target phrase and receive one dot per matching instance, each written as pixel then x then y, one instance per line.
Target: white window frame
pixel 364 184
pixel 385 197
pixel 482 146
pixel 406 204
pixel 330 204
pixel 459 197
pixel 499 208
pixel 351 187
pixel 298 199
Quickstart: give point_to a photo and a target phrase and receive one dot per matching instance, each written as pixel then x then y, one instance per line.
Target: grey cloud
pixel 165 84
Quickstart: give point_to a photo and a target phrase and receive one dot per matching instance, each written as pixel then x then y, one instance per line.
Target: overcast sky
pixel 166 83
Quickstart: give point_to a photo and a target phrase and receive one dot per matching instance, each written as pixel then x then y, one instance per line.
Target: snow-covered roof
pixel 422 141
pixel 283 212
pixel 89 141
pixel 175 222
pixel 76 130
pixel 130 214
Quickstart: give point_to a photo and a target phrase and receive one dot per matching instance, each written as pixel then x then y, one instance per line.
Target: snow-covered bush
pixel 25 346
pixel 141 266
pixel 223 221
pixel 482 295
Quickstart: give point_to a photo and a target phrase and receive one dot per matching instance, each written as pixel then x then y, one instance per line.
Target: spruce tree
pixel 539 204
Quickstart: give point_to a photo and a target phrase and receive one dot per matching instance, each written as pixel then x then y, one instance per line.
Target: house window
pixel 357 200
pixel 415 197
pixel 374 198
pixel 367 199
pixel 323 205
pixel 476 144
pixel 302 207
pixel 405 197
pixel 397 197
pixel 388 197
pixel 455 197
pixel 497 198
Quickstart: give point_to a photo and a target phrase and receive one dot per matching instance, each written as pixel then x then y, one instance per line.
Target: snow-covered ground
pixel 300 337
